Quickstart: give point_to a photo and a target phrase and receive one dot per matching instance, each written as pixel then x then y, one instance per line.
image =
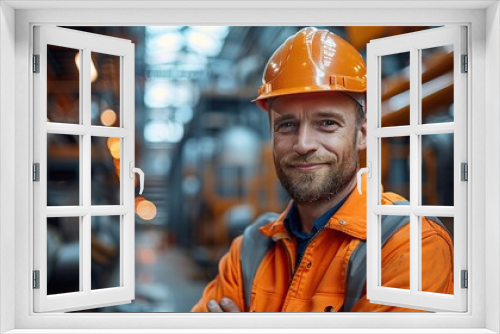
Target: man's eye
pixel 286 127
pixel 328 124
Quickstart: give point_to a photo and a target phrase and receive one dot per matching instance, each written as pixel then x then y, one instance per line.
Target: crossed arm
pixel 224 294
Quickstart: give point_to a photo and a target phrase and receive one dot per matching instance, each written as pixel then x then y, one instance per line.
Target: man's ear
pixel 361 136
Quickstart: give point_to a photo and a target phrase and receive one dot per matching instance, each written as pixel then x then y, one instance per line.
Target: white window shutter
pixel 85 298
pixel 413 43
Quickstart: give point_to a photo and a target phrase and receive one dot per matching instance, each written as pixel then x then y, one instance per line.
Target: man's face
pixel 316 143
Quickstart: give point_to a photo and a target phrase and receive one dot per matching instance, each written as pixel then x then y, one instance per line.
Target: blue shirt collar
pixel 292 221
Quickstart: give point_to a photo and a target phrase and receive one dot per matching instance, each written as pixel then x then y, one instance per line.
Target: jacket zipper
pixel 293 270
pixel 302 255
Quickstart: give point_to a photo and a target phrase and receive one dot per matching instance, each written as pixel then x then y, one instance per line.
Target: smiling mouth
pixel 308 167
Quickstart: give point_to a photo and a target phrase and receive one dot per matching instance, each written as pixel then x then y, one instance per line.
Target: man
pixel 314 88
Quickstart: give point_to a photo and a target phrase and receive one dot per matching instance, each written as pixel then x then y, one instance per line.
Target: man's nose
pixel 306 141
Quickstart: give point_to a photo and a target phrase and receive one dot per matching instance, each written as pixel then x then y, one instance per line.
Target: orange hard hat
pixel 313 60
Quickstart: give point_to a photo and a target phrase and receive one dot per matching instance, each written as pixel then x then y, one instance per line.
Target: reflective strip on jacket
pixel 318 283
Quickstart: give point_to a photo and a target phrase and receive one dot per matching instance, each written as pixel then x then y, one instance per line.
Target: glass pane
pixel 437 169
pixel 63 170
pixel 63 255
pixel 105 252
pixel 105 187
pixel 63 85
pixel 437 256
pixel 395 165
pixel 105 89
pixel 395 266
pixel 395 99
pixel 437 85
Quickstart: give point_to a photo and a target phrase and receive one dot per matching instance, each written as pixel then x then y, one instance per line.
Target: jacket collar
pixel 350 217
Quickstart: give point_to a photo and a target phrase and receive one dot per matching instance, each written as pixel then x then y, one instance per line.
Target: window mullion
pixel 102 131
pixel 67 129
pixel 82 180
pixel 414 163
pixel 85 165
pixel 108 210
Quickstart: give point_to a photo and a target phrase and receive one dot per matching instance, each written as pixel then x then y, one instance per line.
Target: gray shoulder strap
pixel 356 268
pixel 253 249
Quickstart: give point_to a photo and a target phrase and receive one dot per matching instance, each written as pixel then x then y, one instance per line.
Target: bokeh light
pixel 108 117
pixel 93 70
pixel 146 209
pixel 114 147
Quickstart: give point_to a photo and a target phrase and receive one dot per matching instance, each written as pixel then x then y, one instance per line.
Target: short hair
pixel 360 112
pixel 360 115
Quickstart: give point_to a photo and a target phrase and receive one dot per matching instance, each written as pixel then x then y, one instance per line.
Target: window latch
pixel 367 170
pixel 139 171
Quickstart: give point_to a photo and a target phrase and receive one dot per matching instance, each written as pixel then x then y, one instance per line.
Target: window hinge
pixel 464 171
pixel 465 64
pixel 36 63
pixel 36 172
pixel 465 279
pixel 36 279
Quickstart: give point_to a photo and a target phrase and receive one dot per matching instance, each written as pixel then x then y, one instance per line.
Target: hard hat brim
pixel 262 99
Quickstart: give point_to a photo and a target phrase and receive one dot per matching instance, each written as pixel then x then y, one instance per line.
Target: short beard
pixel 305 187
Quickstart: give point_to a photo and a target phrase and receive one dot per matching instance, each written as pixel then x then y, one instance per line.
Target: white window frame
pixel 413 43
pixel 16 21
pixel 86 43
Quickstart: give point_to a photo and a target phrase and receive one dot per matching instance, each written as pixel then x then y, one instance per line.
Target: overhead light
pixel 193 60
pixel 155 30
pixel 161 57
pixel 203 43
pixel 186 94
pixel 163 132
pixel 161 93
pixel 175 132
pixel 155 131
pixel 158 93
pixel 169 42
pixel 214 31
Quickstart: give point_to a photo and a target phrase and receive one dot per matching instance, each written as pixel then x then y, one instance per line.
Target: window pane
pixel 437 169
pixel 395 85
pixel 63 85
pixel 63 170
pixel 437 263
pixel 105 252
pixel 105 187
pixel 395 265
pixel 437 85
pixel 395 165
pixel 105 89
pixel 63 255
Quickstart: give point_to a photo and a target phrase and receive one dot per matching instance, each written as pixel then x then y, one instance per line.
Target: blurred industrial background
pixel 205 150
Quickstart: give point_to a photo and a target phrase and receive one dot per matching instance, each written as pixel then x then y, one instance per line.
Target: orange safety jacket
pixel 318 284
